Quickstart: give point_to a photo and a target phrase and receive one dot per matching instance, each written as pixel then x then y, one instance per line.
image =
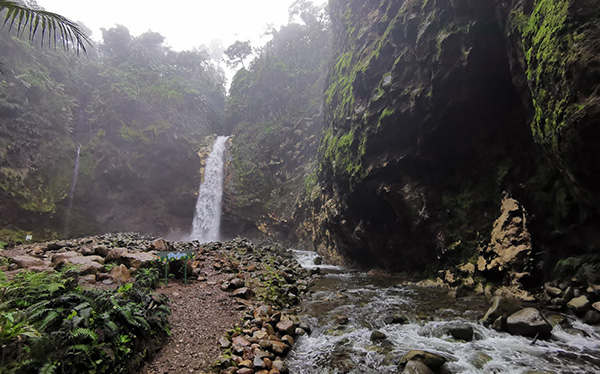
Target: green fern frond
pixel 48 368
pixel 82 332
pixel 50 318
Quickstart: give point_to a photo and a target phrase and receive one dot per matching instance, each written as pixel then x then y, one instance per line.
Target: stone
pixel 342 320
pixel 529 322
pixel 90 278
pixel 236 283
pixel 115 253
pixel 258 363
pixel 286 327
pixel 101 250
pixel 245 371
pixel 591 317
pixel 224 342
pixel 28 262
pixel 480 360
pixel 395 319
pixel 416 367
pixel 318 260
pixel 288 340
pixel 279 347
pixel 86 264
pixel 241 341
pixel 243 293
pixel 579 305
pixel 596 305
pixel 59 259
pixel 462 331
pixel 160 245
pixel 280 366
pixel 552 291
pixel 137 260
pixel 501 307
pixel 378 335
pixel 432 360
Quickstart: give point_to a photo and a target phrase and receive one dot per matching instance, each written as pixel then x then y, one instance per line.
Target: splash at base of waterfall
pixel 207 218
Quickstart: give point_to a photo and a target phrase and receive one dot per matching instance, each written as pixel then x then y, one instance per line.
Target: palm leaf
pixel 52 24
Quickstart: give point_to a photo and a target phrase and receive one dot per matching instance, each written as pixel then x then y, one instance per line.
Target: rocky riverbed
pixel 233 316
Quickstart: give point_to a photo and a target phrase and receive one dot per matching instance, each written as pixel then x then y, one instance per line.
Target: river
pixel 346 306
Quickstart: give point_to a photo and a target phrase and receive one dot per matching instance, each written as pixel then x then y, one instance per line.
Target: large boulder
pixel 529 322
pixel 87 264
pixel 432 360
pixel 28 262
pixel 501 308
pixel 579 305
pixel 416 367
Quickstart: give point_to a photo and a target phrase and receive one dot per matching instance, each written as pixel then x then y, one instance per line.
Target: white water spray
pixel 72 191
pixel 207 220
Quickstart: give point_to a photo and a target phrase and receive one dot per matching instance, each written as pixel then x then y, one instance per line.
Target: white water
pixel 72 191
pixel 207 219
pixel 367 300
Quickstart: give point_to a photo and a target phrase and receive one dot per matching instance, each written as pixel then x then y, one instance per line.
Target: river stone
pixel 245 371
pixel 596 305
pixel 416 367
pixel 60 259
pixel 378 335
pixel 286 326
pixel 243 293
pixel 501 307
pixel 28 262
pixel 579 305
pixel 279 347
pixel 318 260
pixel 480 360
pixel 101 250
pixel 279 365
pixel 591 317
pixel 462 331
pixel 395 319
pixel 288 340
pixel 432 360
pixel 529 322
pixel 241 341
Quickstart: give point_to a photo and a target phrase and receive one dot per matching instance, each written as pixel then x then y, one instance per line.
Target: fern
pixel 82 332
pixel 48 368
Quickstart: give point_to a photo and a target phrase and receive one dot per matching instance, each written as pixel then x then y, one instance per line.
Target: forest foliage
pixel 127 101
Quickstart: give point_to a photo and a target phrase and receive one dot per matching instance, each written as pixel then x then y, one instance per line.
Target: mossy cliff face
pixel 555 50
pixel 427 123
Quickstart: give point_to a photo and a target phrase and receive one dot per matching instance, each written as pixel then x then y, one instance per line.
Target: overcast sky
pixel 184 23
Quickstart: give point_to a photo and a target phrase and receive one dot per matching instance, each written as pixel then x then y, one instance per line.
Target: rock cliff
pixel 436 108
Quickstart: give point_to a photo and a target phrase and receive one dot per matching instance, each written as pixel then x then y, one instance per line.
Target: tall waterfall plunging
pixel 207 219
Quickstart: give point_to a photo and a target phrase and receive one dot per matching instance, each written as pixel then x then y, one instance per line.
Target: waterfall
pixel 207 219
pixel 72 191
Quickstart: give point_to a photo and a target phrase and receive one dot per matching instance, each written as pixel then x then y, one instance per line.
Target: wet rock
pixel 243 293
pixel 278 347
pixel 480 360
pixel 432 360
pixel 288 340
pixel 395 319
pixel 378 335
pixel 462 331
pixel 341 320
pixel 529 322
pixel 552 291
pixel 245 370
pixel 596 306
pixel 579 305
pixel 416 367
pixel 286 326
pixel 280 366
pixel 318 260
pixel 501 307
pixel 241 341
pixel 592 317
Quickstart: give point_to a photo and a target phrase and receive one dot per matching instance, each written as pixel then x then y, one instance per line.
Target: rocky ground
pixel 232 316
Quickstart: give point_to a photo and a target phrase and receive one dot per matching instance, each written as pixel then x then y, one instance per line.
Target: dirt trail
pixel 201 314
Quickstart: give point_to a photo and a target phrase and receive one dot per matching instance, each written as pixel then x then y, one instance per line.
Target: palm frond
pixel 54 27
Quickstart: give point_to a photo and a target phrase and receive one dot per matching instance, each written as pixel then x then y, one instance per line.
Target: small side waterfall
pixel 207 219
pixel 72 191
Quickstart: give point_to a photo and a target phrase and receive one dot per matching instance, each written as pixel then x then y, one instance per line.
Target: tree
pixel 53 27
pixel 237 53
